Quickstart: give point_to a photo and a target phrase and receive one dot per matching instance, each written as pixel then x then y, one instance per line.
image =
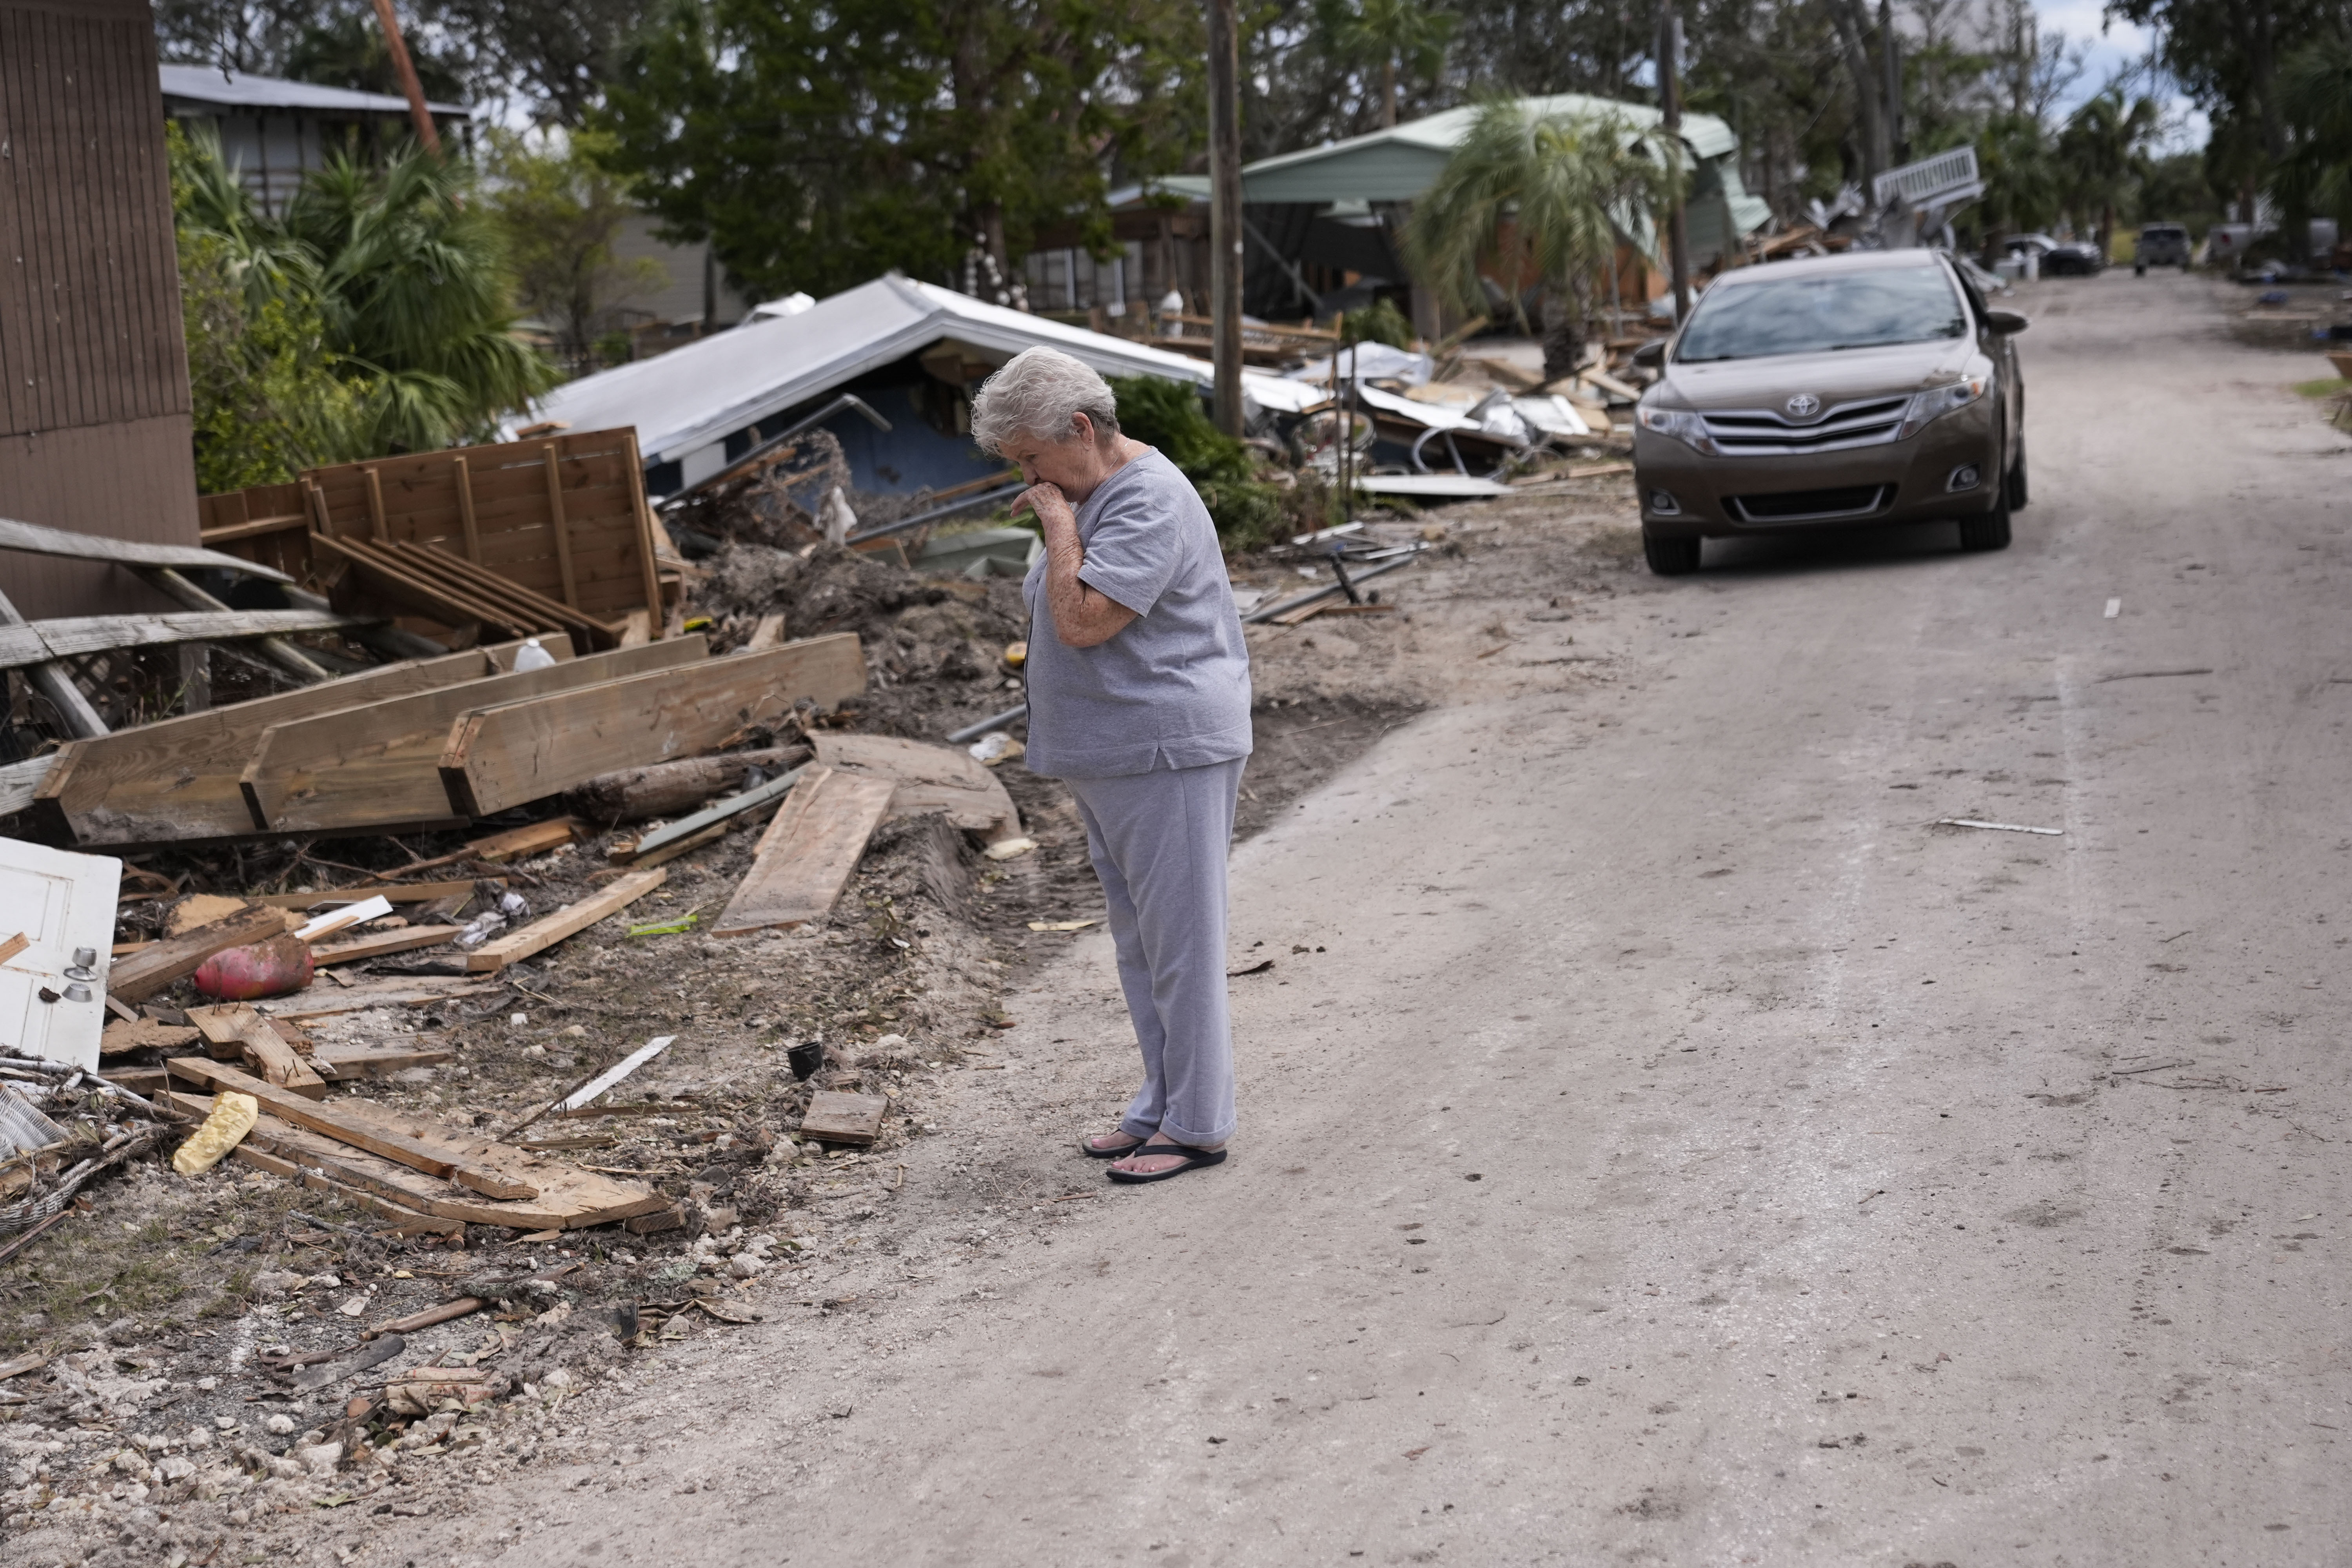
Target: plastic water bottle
pixel 531 656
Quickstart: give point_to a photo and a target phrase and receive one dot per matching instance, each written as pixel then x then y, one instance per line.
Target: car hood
pixel 1834 378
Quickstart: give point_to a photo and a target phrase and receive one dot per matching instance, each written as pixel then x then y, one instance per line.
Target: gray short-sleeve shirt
pixel 1171 689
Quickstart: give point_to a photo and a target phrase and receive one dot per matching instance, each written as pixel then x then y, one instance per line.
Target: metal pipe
pixel 974 731
pixel 985 497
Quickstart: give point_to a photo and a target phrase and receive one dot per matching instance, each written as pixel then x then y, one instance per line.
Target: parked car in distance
pixel 2159 245
pixel 2058 258
pixel 1830 392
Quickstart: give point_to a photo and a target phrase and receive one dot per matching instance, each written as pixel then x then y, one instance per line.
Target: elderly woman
pixel 1138 700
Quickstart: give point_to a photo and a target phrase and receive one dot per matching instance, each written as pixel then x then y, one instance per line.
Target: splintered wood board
pixel 808 851
pixel 844 1118
pixel 569 1197
pixel 179 779
pixel 549 930
pixel 372 1062
pixel 410 991
pixel 380 763
pixel 404 939
pixel 527 750
pixel 346 1121
pixel 126 1034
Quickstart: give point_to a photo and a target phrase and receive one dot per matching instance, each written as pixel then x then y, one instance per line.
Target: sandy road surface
pixel 1676 1150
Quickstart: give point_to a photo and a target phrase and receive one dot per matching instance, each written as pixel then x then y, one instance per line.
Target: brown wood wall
pixel 94 407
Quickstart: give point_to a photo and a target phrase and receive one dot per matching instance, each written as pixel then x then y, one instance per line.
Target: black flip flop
pixel 1195 1159
pixel 1091 1152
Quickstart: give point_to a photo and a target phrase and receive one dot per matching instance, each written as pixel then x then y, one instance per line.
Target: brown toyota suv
pixel 1833 391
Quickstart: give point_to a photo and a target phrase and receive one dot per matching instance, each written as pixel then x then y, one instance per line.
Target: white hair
pixel 1040 392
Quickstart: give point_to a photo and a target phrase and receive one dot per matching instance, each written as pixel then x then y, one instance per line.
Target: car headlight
pixel 1679 423
pixel 1935 405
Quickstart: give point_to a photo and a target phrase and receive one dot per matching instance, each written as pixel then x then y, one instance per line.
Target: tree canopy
pixel 817 147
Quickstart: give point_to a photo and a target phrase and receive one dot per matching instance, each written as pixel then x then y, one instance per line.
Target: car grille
pixel 1752 432
pixel 1813 506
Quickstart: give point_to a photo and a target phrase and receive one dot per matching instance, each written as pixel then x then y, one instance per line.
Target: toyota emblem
pixel 1804 405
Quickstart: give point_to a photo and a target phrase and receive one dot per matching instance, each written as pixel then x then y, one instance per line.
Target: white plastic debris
pixel 531 656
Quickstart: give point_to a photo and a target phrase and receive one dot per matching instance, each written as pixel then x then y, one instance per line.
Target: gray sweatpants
pixel 1158 841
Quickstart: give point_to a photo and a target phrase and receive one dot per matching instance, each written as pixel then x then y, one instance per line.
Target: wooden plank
pixel 416 991
pixel 532 839
pixel 549 930
pixel 395 893
pixel 844 1118
pixel 346 1122
pixel 928 778
pixel 222 1029
pixel 768 634
pixel 341 1062
pixel 380 943
pixel 569 1198
pixel 808 852
pixel 254 529
pixel 466 508
pixel 556 521
pixel 648 574
pixel 506 757
pixel 277 1063
pixel 376 503
pixel 33 538
pixel 127 1035
pixel 151 968
pixel 380 763
pixel 370 578
pixel 179 779
pixel 76 636
pixel 517 606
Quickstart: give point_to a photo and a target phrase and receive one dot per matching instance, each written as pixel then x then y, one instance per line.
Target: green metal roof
pixel 1399 163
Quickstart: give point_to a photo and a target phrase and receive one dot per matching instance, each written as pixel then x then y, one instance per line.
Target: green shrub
pixel 1382 323
pixel 1167 414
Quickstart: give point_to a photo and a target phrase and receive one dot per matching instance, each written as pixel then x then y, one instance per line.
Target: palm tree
pixel 407 277
pixel 1567 188
pixel 1395 34
pixel 414 285
pixel 2103 149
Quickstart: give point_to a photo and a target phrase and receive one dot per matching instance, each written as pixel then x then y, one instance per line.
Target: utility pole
pixel 1891 49
pixel 1225 210
pixel 407 69
pixel 1670 99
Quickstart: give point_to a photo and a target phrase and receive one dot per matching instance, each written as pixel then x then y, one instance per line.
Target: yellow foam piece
pixel 233 1117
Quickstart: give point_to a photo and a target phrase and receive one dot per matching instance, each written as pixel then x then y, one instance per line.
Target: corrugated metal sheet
pixel 93 374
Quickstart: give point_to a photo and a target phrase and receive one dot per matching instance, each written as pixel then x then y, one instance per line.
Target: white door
pixel 64 905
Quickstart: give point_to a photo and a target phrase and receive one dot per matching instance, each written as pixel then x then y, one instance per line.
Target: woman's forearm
pixel 1083 616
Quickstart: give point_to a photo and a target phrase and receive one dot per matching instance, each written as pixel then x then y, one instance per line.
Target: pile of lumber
pixel 432 744
pixel 518 538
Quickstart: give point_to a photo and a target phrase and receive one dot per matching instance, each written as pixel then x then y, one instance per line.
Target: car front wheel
pixel 1989 531
pixel 1670 555
pixel 2014 486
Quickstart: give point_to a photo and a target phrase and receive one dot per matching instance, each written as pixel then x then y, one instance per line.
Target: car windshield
pixel 1824 312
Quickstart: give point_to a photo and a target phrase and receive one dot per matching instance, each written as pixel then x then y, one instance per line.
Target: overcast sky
pixel 2115 46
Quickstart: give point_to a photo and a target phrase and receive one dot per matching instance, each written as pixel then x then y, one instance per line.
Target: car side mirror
pixel 2006 322
pixel 1652 354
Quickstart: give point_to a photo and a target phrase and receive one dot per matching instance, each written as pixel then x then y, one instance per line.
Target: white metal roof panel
pixel 686 399
pixel 207 84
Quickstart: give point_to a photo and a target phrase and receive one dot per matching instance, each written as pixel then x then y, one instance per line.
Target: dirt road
pixel 1671 1147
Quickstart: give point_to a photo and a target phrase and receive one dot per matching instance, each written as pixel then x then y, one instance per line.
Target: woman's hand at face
pixel 1051 506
